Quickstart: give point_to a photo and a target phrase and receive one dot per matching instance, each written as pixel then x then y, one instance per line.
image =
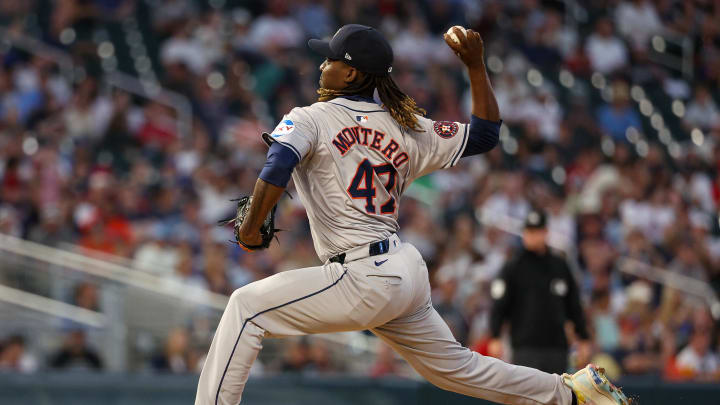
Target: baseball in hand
pixel 452 35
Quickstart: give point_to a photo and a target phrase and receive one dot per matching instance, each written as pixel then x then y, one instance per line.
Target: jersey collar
pixel 359 98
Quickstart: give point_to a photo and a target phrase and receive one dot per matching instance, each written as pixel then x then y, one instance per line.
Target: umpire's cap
pixel 360 46
pixel 535 220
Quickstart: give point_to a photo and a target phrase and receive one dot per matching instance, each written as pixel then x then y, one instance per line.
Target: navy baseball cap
pixel 535 220
pixel 360 46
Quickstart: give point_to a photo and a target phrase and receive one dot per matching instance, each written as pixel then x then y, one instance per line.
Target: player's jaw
pixel 335 74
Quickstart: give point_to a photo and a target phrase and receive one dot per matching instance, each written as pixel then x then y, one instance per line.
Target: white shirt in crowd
pixel 650 218
pixel 606 54
pixel 689 359
pixel 188 51
pixel 283 32
pixel 702 114
pixel 637 22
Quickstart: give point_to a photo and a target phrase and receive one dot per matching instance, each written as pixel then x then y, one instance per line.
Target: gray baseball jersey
pixel 355 163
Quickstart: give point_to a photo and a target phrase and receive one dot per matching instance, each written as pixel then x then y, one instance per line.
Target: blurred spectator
pixel 14 356
pixel 177 356
pixel 53 229
pixel 508 202
pixel 10 221
pixel 170 13
pixel 156 256
pixel 296 356
pixel 617 118
pixel 214 266
pixel 557 35
pixel 605 325
pixel 607 53
pixel 321 360
pixel 75 354
pixel 637 20
pixel 687 262
pixel 185 271
pixel 276 29
pixel 638 350
pixel 449 311
pixel 698 360
pixel 385 363
pixel 418 229
pixel 315 18
pixel 416 46
pixel 702 111
pixel 87 295
pixel 88 115
pixel 183 48
pixel 510 91
pixel 540 113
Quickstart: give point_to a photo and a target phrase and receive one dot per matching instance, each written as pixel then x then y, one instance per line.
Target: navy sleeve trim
pixel 484 136
pixel 279 165
pixel 294 149
pixel 463 146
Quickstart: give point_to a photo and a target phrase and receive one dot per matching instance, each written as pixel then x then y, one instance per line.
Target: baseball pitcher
pixel 352 155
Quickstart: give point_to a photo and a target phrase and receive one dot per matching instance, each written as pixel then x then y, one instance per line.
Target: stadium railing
pixel 134 306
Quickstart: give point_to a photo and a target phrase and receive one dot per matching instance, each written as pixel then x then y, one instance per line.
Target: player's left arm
pixel 290 142
pixel 485 122
pixel 269 188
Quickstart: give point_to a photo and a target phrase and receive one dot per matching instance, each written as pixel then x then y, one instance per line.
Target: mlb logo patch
pixel 446 129
pixel 361 118
pixel 284 127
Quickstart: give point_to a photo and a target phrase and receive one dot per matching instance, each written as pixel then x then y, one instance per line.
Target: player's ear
pixel 351 75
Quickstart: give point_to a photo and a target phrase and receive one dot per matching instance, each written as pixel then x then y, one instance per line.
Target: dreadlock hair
pixel 400 106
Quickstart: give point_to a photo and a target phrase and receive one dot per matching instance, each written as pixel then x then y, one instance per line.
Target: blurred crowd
pixel 609 125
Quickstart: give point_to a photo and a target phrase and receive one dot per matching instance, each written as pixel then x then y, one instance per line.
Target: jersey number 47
pixel 362 186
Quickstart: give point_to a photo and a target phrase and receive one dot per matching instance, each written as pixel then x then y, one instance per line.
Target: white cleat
pixel 591 387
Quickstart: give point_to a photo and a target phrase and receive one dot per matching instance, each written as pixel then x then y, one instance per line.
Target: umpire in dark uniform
pixel 536 293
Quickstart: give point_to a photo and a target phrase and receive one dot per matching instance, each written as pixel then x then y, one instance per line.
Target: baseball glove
pixel 267 230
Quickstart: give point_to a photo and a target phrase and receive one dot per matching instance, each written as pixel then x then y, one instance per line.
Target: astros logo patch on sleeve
pixel 446 129
pixel 284 127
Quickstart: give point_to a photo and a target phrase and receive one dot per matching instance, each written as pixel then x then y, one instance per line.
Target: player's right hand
pixel 470 49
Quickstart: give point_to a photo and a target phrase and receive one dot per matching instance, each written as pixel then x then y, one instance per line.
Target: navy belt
pixel 375 248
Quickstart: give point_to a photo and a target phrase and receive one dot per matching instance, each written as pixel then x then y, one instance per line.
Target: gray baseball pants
pixel 392 299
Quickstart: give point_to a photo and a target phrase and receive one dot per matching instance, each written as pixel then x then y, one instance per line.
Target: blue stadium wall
pixel 113 389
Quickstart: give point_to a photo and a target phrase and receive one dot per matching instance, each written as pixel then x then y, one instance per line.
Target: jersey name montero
pixel 371 138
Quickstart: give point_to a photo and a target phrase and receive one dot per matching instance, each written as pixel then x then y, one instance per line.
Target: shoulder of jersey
pixel 306 109
pixel 360 110
pixel 314 109
pixel 318 105
pixel 424 122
